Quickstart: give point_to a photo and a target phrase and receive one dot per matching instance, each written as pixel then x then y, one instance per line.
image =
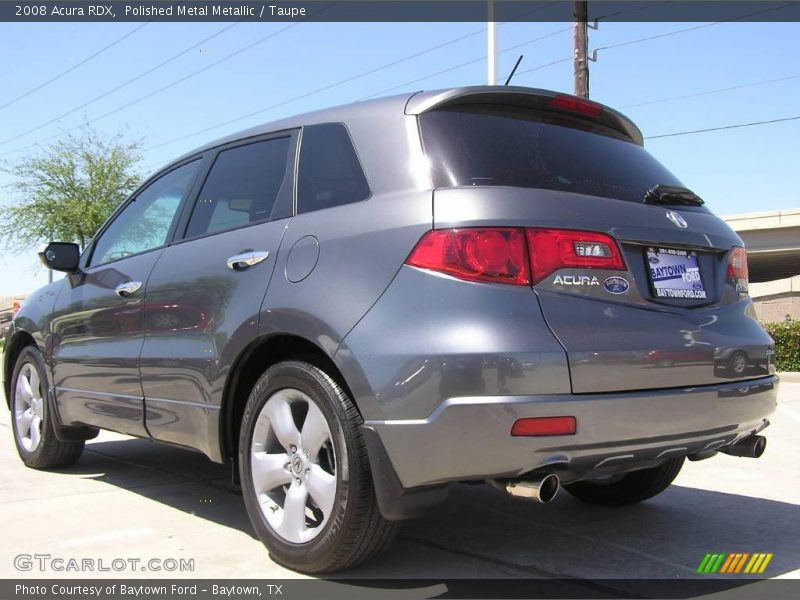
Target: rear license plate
pixel 675 273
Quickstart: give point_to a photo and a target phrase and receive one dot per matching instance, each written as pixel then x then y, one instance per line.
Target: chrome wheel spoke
pixel 24 420
pixel 24 389
pixel 269 471
pixel 28 407
pixel 279 413
pixel 322 487
pixel 34 433
pixel 34 383
pixel 315 431
pixel 293 524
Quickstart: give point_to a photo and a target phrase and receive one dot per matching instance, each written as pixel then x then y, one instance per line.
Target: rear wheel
pixel 34 427
pixel 629 488
pixel 305 476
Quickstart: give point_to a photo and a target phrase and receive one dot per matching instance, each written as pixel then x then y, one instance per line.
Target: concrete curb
pixel 790 376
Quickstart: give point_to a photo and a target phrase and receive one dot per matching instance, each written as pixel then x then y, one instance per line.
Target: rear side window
pixel 330 173
pixel 517 147
pixel 247 184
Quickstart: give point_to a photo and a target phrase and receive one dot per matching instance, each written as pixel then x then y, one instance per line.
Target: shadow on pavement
pixel 664 538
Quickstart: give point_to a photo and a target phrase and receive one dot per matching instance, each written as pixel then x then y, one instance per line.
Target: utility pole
pixel 491 40
pixel 581 58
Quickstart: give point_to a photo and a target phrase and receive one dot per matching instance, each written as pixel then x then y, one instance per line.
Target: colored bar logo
pixel 737 562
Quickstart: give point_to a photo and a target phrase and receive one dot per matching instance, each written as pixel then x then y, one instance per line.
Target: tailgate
pixel 672 317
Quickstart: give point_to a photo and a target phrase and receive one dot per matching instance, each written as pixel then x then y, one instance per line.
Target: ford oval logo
pixel 676 219
pixel 616 285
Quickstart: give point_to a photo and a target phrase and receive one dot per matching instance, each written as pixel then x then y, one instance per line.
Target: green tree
pixel 66 191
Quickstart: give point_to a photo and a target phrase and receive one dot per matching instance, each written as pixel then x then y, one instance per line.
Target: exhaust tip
pixel 541 489
pixel 759 445
pixel 750 447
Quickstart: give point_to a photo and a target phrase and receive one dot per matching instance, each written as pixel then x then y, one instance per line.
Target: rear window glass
pixel 508 146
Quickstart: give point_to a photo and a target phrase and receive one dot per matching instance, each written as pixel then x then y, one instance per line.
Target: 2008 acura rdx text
pixel 357 307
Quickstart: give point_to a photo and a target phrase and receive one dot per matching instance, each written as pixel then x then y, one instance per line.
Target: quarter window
pixel 145 222
pixel 247 184
pixel 330 173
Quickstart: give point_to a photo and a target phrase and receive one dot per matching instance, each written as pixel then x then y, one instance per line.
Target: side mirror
pixel 61 256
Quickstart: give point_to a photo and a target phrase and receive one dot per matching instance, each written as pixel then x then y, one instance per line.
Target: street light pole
pixel 491 39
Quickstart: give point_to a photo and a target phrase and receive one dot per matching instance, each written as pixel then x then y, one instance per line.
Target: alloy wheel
pixel 29 407
pixel 293 466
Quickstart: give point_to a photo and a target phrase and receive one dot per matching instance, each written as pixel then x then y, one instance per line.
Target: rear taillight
pixel 737 263
pixel 511 255
pixel 576 105
pixel 737 269
pixel 553 249
pixel 486 254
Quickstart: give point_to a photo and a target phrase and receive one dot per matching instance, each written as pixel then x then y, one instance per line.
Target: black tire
pixel 631 488
pixel 49 452
pixel 354 529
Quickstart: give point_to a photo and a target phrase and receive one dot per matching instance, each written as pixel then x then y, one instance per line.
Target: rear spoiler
pixel 422 102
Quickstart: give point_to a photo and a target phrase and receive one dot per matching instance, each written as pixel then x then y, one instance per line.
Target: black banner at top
pixel 397 10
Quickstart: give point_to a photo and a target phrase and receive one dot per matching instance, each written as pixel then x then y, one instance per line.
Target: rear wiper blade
pixel 670 194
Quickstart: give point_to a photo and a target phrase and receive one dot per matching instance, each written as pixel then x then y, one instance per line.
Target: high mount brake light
pixel 501 254
pixel 576 105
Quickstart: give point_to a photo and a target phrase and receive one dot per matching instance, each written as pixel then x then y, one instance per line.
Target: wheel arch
pixel 251 363
pixel 16 343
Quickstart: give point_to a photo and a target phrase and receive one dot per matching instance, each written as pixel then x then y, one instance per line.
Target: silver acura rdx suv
pixel 357 307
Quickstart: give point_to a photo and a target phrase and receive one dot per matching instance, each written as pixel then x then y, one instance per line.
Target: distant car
pixel 5 322
pixel 357 307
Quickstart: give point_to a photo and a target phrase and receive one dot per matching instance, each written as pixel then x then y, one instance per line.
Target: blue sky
pixel 739 170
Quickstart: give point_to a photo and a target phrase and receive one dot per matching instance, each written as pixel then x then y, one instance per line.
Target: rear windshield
pixel 507 146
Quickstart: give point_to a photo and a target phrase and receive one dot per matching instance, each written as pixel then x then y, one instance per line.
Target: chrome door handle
pixel 239 262
pixel 129 288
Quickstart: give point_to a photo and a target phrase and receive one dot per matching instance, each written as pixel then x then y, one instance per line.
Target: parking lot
pixel 130 498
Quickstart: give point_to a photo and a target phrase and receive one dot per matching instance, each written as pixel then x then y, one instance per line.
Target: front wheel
pixel 34 427
pixel 305 476
pixel 630 488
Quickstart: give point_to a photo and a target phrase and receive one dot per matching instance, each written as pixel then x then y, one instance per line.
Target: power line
pixel 658 36
pixel 364 74
pixel 715 91
pixel 469 62
pixel 75 66
pixel 184 78
pixel 696 27
pixel 122 85
pixel 724 127
pixel 545 65
pixel 168 86
pixel 336 84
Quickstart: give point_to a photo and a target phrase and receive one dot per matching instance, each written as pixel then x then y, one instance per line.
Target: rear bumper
pixel 468 438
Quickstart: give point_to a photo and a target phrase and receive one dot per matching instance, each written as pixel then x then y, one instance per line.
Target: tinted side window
pixel 246 184
pixel 146 222
pixel 330 174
